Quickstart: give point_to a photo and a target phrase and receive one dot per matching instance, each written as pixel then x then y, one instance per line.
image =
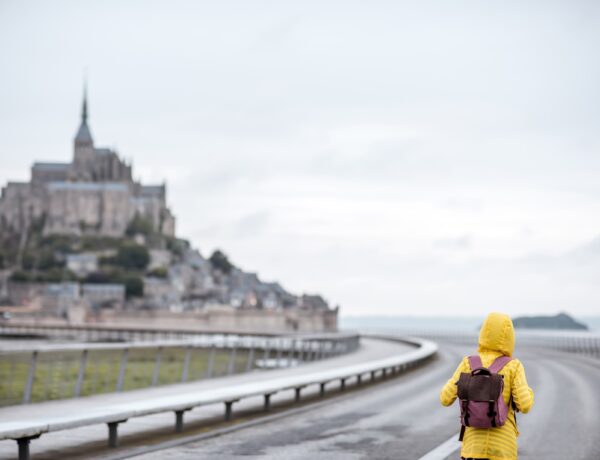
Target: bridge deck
pixel 19 421
pixel 403 419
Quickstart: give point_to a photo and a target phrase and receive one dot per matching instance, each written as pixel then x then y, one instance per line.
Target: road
pixel 90 442
pixel 402 418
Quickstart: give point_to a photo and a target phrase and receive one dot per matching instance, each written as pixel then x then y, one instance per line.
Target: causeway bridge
pixel 368 395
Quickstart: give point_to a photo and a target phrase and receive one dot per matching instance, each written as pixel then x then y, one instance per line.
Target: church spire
pixel 83 134
pixel 84 105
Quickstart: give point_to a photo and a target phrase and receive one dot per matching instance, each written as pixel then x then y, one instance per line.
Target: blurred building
pixel 93 194
pixel 82 264
pixel 106 295
pixel 59 298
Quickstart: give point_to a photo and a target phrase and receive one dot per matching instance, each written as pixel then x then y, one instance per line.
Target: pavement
pixel 402 419
pixel 399 418
pixel 90 442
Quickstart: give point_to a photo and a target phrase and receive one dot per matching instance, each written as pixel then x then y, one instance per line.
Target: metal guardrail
pixel 580 342
pixel 57 371
pixel 103 332
pixel 24 431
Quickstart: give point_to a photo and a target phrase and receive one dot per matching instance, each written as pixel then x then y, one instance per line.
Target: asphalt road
pixel 89 442
pixel 402 418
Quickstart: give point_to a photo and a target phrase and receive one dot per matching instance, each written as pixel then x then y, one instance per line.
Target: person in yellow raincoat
pixel 496 338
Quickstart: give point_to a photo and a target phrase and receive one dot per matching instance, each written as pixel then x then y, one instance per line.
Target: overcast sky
pixel 419 157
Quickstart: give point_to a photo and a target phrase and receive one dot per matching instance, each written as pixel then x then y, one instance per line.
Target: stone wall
pixel 74 207
pixel 228 319
pixel 19 205
pixel 24 293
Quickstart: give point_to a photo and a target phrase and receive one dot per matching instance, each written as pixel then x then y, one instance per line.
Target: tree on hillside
pixel 134 286
pixel 219 261
pixel 133 256
pixel 139 225
pixel 98 277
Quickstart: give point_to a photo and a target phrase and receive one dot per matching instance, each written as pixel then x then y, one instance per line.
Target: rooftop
pixel 51 166
pixel 90 186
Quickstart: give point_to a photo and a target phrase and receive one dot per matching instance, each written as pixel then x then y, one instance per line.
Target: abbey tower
pixel 94 194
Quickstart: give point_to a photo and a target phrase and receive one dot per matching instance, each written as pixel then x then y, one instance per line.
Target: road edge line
pixel 443 450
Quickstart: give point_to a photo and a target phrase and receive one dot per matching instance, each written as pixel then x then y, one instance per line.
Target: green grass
pixel 56 373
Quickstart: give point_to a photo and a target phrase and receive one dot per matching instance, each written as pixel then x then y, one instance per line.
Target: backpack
pixel 480 395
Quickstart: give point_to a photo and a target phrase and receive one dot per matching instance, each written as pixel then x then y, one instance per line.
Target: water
pixel 455 323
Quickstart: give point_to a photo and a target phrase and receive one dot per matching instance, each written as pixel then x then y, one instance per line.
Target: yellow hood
pixel 497 334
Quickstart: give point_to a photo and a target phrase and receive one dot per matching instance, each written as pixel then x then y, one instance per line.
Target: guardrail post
pixel 297 394
pixel 228 411
pixel 113 435
pixel 231 366
pixel 267 401
pixel 156 372
pixel 186 364
pixel 358 379
pixel 372 376
pixel 122 369
pixel 30 379
pixel 290 358
pixel 301 347
pixel 81 373
pixel 23 445
pixel 342 384
pixel 211 362
pixel 267 351
pixel 279 351
pixel 322 389
pixel 250 362
pixel 179 420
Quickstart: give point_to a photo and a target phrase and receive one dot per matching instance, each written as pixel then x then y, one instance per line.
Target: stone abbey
pixel 93 195
pixel 84 242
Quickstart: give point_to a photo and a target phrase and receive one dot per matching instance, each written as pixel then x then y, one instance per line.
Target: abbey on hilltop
pixel 84 242
pixel 93 195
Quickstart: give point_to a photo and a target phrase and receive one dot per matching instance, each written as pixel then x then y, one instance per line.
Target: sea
pixel 453 323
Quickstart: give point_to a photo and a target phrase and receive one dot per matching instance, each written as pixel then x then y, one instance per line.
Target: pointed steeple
pixel 84 106
pixel 84 136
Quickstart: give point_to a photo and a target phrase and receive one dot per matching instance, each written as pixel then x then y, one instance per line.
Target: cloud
pixel 459 243
pixel 252 225
pixel 416 156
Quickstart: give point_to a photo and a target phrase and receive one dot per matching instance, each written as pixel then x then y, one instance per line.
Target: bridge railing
pixel 26 429
pixel 101 332
pixel 580 342
pixel 57 371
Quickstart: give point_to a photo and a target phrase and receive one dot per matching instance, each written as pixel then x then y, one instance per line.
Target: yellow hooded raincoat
pixel 496 338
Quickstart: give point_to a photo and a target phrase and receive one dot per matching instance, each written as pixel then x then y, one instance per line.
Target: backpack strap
pixel 475 362
pixel 499 363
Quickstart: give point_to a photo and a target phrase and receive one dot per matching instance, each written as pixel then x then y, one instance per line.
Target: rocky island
pixel 85 242
pixel 560 321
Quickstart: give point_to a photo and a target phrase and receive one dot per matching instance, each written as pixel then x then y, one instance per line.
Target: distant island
pixel 560 321
pixel 84 241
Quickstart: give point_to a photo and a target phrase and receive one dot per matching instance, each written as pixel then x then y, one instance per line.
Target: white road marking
pixel 443 450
